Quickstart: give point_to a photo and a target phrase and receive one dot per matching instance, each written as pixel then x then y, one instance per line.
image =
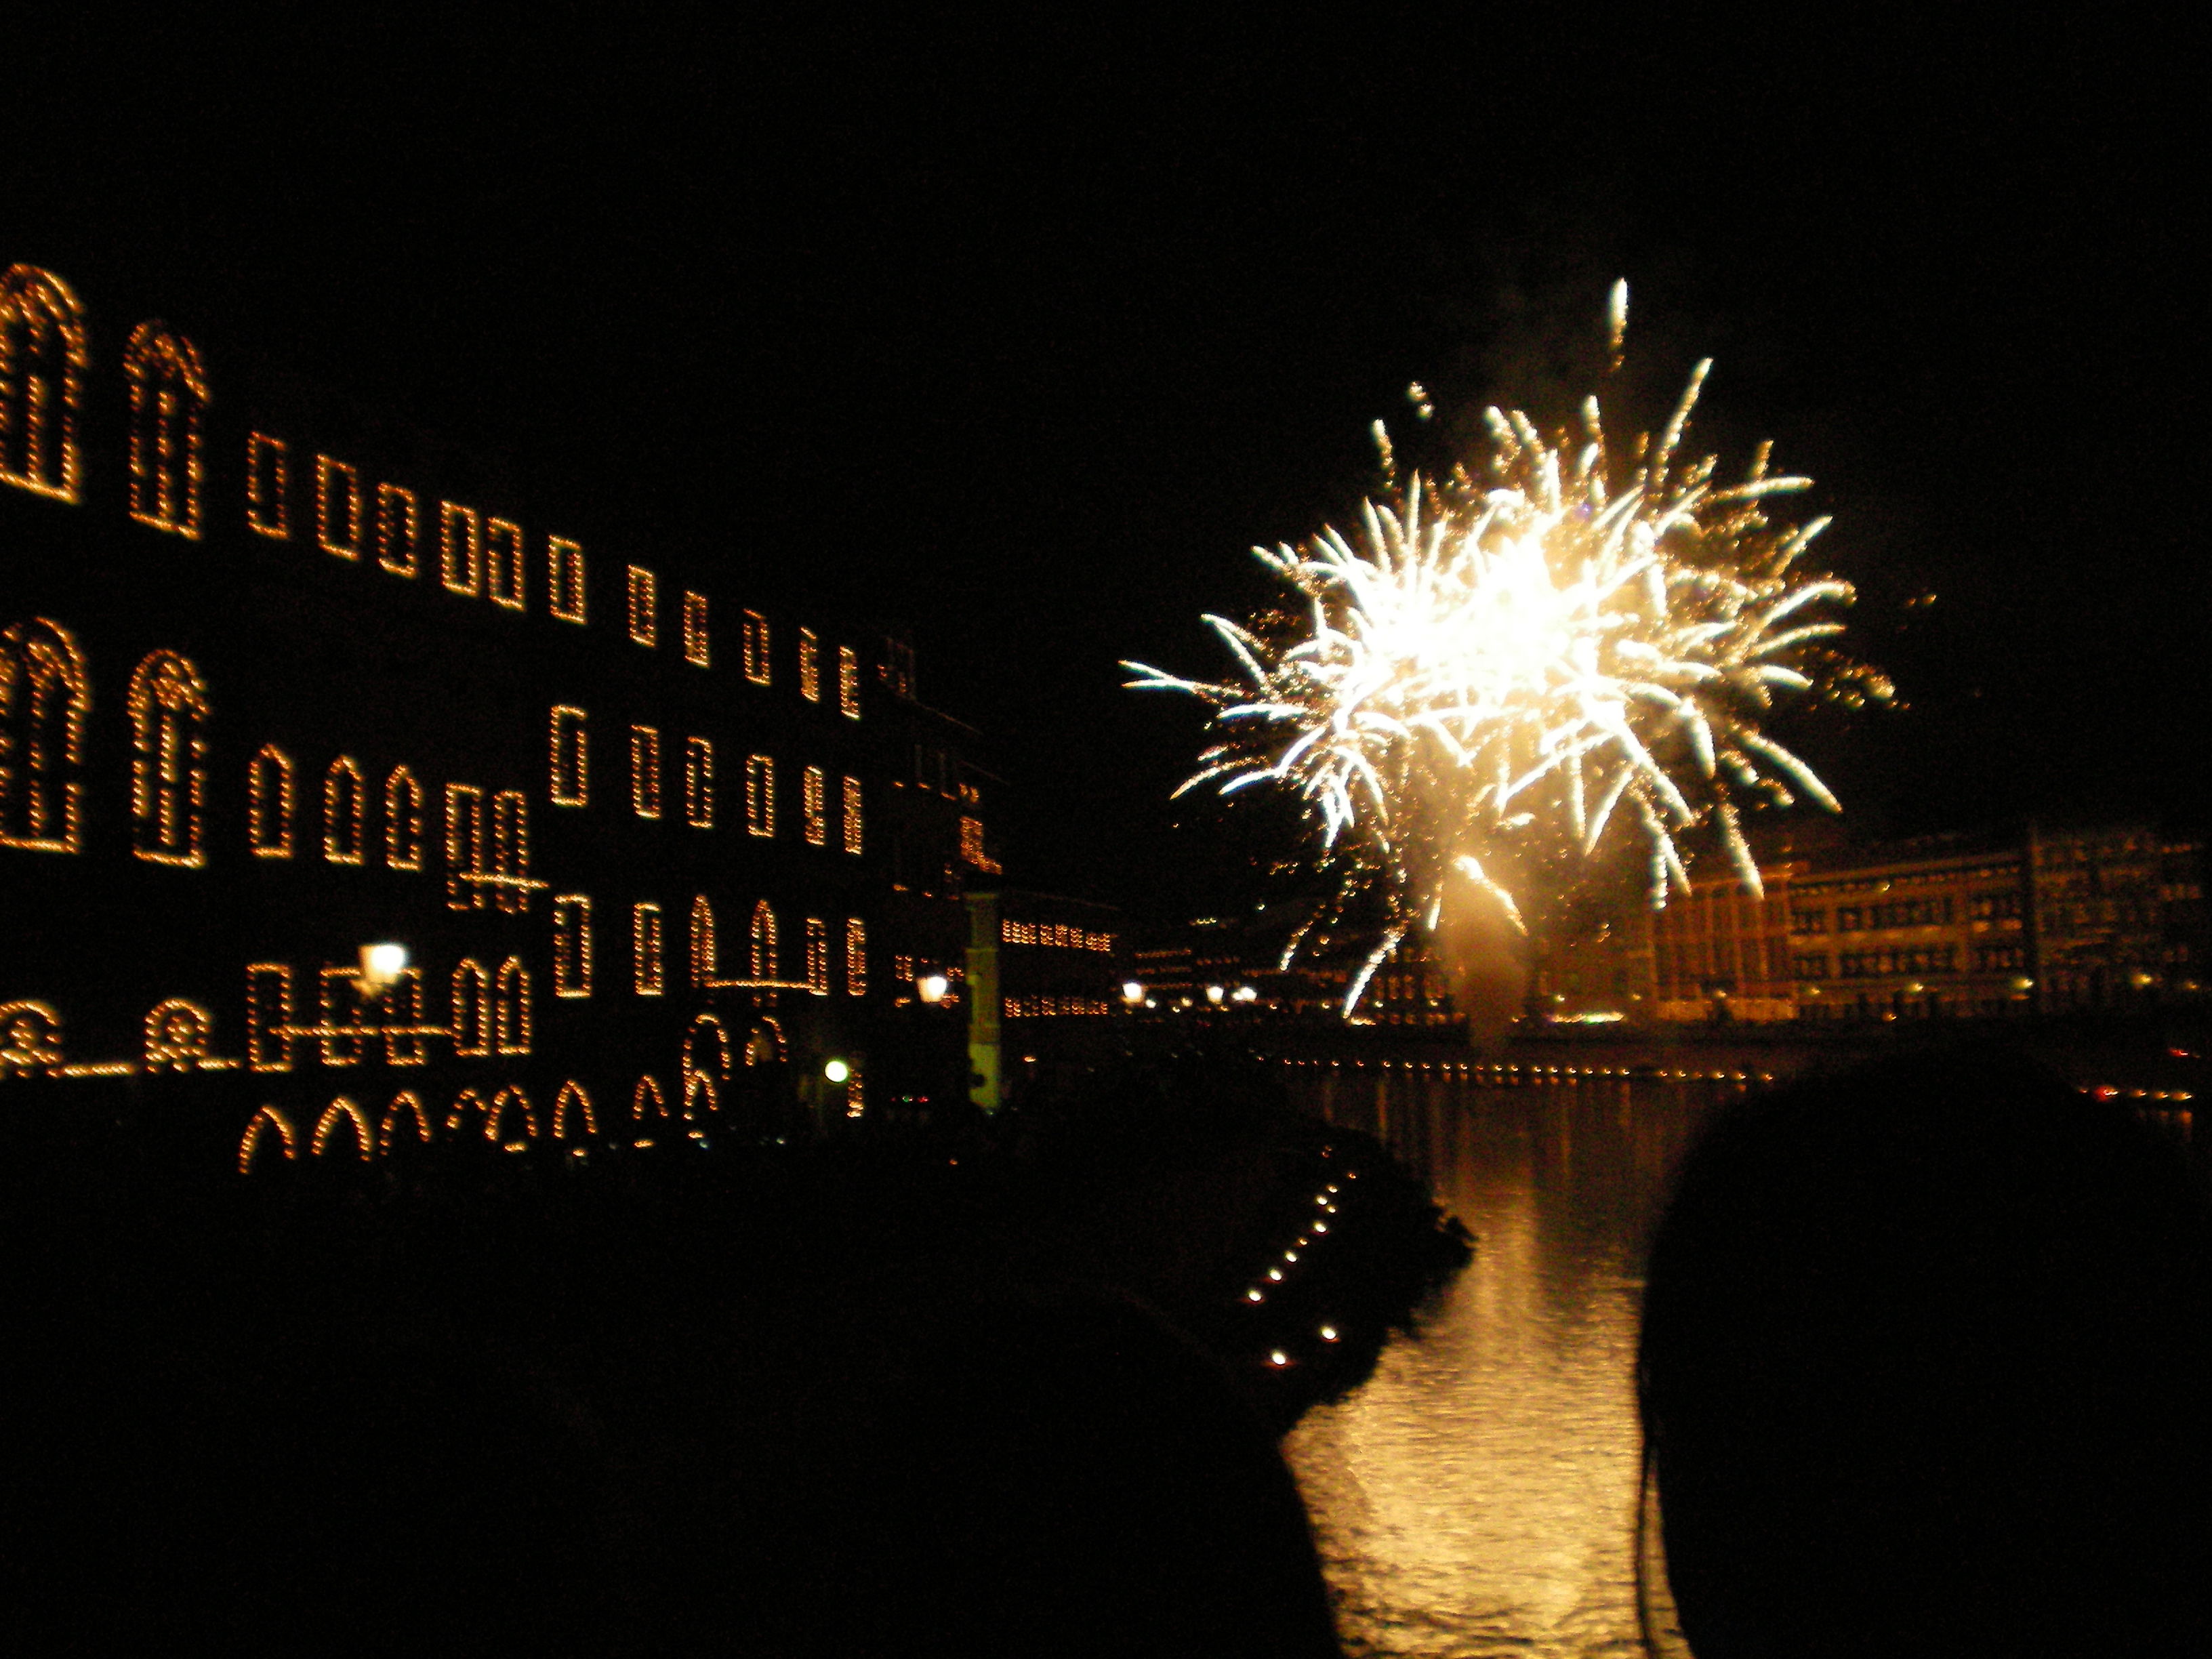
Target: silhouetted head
pixel 1924 1371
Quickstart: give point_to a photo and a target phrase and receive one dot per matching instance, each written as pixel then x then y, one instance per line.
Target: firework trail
pixel 1507 673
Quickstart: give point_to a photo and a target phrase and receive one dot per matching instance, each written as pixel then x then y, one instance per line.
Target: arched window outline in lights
pixel 169 708
pixel 512 1013
pixel 764 952
pixel 345 812
pixel 403 820
pixel 45 695
pixel 471 1018
pixel 168 405
pixel 268 804
pixel 704 957
pixel 43 338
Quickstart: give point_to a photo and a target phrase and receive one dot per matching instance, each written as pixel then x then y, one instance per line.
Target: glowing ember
pixel 1504 670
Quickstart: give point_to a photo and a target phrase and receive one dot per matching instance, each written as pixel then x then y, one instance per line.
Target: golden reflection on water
pixel 1478 1495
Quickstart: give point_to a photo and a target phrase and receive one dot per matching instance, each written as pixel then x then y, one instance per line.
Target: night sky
pixel 1022 335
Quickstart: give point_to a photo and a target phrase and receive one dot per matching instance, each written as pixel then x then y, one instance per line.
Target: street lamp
pixel 1214 994
pixel 381 965
pixel 931 987
pixel 1132 994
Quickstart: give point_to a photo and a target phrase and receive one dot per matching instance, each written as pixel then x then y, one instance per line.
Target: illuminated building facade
pixel 276 686
pixel 2105 919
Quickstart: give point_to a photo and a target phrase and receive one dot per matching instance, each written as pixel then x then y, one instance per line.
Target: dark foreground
pixel 1001 1391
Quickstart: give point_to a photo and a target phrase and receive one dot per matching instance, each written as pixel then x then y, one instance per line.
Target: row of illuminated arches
pixel 45 354
pixel 507 1117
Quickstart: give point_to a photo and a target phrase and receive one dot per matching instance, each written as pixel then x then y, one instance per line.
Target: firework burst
pixel 1509 669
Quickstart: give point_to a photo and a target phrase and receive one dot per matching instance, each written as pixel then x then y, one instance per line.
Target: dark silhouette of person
pixel 1924 1371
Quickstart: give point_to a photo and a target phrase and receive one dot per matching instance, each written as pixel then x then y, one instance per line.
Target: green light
pixel 837 1071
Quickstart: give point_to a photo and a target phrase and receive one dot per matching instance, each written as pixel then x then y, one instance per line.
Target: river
pixel 1478 1494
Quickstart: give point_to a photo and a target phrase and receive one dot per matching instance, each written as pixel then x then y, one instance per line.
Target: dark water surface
pixel 1478 1495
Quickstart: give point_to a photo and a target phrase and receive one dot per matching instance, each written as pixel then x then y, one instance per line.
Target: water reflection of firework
pixel 1509 671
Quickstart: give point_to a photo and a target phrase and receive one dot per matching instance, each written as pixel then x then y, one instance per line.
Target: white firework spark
pixel 1516 664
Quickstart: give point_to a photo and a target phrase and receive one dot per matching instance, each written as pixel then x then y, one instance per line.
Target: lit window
pixel 269 804
pixel 853 815
pixel 856 956
pixel 511 1008
pixel 755 648
pixel 814 807
pixel 510 851
pixel 572 946
pixel 267 495
pixel 645 771
pixel 503 546
pixel 699 783
pixel 471 1019
pixel 169 708
pixel 704 954
pixel 696 649
pixel 345 812
pixel 43 354
pixel 44 695
pixel 403 820
pixel 644 605
pixel 760 795
pixel 571 780
pixel 341 513
pixel 848 682
pixel 818 956
pixel 810 665
pixel 645 949
pixel 464 847
pixel 398 530
pixel 168 397
pixel 460 548
pixel 564 580
pixel 764 942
